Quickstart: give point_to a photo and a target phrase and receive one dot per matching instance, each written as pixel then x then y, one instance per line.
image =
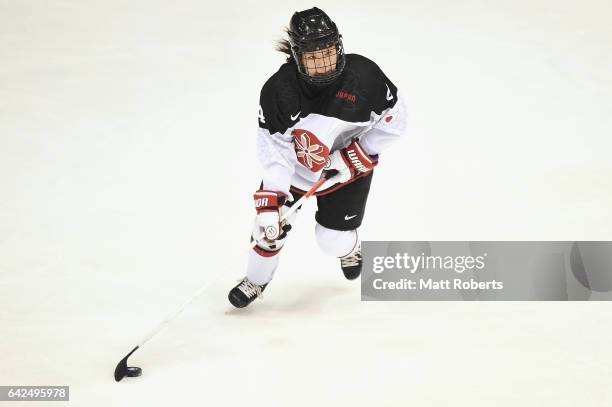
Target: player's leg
pixel 338 216
pixel 262 262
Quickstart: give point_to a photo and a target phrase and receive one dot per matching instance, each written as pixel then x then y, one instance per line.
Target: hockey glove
pixel 268 205
pixel 350 162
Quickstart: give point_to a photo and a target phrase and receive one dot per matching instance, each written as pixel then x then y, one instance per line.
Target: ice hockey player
pixel 323 110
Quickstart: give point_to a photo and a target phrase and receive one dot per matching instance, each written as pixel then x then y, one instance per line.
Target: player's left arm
pixel 388 124
pixel 389 119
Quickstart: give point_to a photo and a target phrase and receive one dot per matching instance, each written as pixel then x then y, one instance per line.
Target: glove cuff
pixel 358 158
pixel 268 201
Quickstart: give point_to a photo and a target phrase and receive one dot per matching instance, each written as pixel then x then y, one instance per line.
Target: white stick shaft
pixel 176 313
pixel 203 288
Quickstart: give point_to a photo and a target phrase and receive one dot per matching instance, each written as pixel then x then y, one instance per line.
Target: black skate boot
pixel 245 293
pixel 351 264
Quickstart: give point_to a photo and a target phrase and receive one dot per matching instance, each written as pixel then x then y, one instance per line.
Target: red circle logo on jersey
pixel 310 151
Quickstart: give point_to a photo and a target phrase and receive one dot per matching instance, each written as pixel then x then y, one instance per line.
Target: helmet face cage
pixel 324 63
pixel 316 46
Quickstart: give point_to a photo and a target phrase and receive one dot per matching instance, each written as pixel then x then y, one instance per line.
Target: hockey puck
pixel 133 371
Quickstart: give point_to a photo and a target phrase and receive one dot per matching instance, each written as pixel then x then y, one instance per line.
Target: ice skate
pixel 245 293
pixel 351 264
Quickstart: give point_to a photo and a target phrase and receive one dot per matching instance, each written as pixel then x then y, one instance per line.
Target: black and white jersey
pixel 301 124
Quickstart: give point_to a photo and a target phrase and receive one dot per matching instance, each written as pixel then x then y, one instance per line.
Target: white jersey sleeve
pixel 387 129
pixel 276 154
pixel 275 143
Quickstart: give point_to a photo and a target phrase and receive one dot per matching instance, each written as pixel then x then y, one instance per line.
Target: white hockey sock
pixel 260 269
pixel 263 259
pixel 336 243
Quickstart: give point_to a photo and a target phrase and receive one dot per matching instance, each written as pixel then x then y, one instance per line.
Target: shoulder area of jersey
pixel 361 62
pixel 285 74
pixel 368 72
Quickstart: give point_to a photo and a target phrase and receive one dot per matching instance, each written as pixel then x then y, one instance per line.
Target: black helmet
pixel 313 30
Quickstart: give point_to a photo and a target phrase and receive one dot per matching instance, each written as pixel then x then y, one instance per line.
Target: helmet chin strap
pixel 323 84
pixel 321 81
pixel 314 88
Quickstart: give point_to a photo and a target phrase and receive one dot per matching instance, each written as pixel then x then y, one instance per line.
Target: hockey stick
pixel 122 370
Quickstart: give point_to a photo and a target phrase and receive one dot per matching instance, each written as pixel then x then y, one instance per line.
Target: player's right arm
pixel 276 154
pixel 275 148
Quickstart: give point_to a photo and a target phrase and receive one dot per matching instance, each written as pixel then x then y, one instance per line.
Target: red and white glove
pixel 268 205
pixel 350 162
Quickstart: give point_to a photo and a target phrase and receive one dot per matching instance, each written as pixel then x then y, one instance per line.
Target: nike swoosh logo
pixel 389 95
pixel 296 116
pixel 346 217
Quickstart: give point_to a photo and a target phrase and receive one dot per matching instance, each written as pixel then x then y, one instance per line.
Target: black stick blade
pixel 133 371
pixel 122 369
